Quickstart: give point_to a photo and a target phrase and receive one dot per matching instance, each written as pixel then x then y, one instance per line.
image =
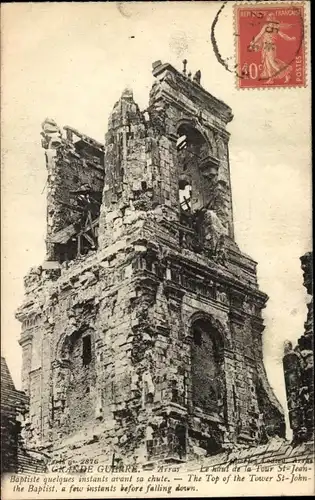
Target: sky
pixel 71 62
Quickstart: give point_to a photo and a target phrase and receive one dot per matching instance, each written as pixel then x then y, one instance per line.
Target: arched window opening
pixel 207 375
pixel 198 186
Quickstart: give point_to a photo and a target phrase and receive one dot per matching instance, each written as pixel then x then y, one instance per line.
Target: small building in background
pixel 14 407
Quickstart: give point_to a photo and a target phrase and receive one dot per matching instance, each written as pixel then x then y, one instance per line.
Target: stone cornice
pixel 173 290
pixel 188 87
pixel 212 273
pixel 257 324
pixel 145 279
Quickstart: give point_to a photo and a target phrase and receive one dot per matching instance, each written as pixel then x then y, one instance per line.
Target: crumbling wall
pixel 73 160
pixel 187 106
pixel 298 364
pixel 143 166
pixel 134 159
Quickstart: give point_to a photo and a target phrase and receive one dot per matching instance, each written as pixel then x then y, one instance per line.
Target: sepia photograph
pixel 157 279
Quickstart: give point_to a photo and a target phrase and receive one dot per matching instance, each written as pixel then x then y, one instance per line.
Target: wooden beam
pixel 89 239
pixel 186 202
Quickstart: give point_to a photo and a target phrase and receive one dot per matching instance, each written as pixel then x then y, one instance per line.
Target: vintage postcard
pixel 157 282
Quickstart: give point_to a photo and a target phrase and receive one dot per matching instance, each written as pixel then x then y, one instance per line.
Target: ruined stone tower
pixel 142 330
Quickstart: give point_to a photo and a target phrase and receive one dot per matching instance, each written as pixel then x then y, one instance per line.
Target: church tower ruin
pixel 142 330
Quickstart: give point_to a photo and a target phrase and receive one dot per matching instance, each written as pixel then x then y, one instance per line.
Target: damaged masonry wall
pixel 298 364
pixel 142 333
pixel 75 166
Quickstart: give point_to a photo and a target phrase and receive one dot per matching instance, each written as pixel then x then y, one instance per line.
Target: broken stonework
pixel 298 364
pixel 142 331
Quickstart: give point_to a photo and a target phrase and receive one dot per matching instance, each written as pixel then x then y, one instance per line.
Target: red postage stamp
pixel 270 45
